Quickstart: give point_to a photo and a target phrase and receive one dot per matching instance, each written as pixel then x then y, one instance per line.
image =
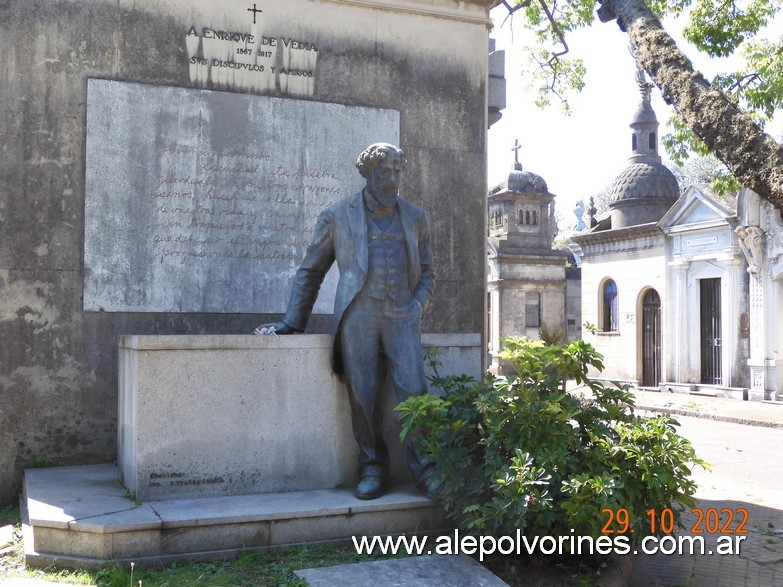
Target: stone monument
pixel 172 159
pixel 162 153
pixel 760 233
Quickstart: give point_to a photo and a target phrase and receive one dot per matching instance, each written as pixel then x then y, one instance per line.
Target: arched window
pixel 494 219
pixel 633 142
pixel 610 309
pixel 521 217
pixel 535 219
pixel 527 216
pixel 652 141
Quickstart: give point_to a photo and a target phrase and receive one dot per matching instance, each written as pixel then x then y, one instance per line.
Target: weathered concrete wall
pixel 58 364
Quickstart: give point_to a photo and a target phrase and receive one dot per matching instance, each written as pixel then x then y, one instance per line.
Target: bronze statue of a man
pixel 381 243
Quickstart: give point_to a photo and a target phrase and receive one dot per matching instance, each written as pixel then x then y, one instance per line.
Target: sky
pixel 581 154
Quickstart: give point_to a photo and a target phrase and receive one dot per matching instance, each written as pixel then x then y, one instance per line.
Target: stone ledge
pixel 248 341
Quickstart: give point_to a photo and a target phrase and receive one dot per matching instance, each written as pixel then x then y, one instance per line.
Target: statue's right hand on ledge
pixel 274 328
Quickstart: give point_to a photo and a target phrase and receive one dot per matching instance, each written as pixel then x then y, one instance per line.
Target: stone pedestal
pixel 762 380
pixel 204 416
pixel 226 443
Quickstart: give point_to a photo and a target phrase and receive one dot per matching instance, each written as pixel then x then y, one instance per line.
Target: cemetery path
pixel 745 477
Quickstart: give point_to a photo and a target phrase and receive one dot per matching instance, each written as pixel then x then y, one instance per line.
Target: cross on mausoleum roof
pixel 516 165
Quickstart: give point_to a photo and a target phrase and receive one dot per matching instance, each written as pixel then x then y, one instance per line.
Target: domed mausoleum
pixel 665 282
pixel 521 210
pixel 646 189
pixel 527 278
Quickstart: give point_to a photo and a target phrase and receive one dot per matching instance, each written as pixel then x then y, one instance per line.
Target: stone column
pixel 773 275
pixel 681 336
pixel 758 337
pixel 494 326
pixel 753 245
pixel 731 322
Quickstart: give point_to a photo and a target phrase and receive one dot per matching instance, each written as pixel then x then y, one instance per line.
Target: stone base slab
pixel 675 387
pixel 82 517
pixel 436 570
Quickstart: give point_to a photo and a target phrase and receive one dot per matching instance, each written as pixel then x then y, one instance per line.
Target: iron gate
pixel 711 343
pixel 651 339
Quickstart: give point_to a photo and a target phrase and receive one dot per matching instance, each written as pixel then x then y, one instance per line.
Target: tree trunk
pixel 754 158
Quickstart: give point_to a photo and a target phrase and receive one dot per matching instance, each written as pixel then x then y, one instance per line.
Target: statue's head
pixel 376 153
pixel 381 164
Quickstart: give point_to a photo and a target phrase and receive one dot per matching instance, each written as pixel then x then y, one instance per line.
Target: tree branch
pixel 552 22
pixel 752 156
pixel 512 10
pixel 744 81
pixel 556 29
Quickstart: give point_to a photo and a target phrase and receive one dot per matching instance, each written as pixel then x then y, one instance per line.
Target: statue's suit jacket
pixel 341 235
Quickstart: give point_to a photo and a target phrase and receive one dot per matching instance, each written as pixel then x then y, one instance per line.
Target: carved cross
pixel 254 10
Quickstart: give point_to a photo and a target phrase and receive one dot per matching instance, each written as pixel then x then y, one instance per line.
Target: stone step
pixel 82 517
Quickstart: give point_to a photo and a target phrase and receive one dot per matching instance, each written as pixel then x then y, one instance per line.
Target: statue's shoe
pixel 370 487
pixel 428 486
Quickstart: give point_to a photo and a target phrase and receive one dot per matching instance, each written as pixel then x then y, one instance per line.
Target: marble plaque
pixel 205 201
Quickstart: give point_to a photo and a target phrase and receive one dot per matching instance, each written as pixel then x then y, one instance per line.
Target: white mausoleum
pixel 683 290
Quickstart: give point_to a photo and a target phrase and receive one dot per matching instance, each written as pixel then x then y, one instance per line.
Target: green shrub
pixel 518 452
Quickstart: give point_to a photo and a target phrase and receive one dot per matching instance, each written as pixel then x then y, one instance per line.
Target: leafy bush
pixel 519 452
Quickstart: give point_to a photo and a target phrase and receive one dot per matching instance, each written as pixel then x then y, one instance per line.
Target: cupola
pixel 646 189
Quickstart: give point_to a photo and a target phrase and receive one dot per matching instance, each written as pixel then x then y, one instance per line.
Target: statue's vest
pixel 387 263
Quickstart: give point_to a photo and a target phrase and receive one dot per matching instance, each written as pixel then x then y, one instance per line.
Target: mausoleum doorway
pixel 651 339
pixel 710 330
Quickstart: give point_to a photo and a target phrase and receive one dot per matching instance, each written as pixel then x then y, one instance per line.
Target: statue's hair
pixel 376 153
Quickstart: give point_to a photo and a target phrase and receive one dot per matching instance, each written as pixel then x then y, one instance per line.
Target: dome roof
pixel 643 181
pixel 520 181
pixel 526 182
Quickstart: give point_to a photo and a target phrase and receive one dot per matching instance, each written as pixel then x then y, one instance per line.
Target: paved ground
pixel 744 443
pixel 763 414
